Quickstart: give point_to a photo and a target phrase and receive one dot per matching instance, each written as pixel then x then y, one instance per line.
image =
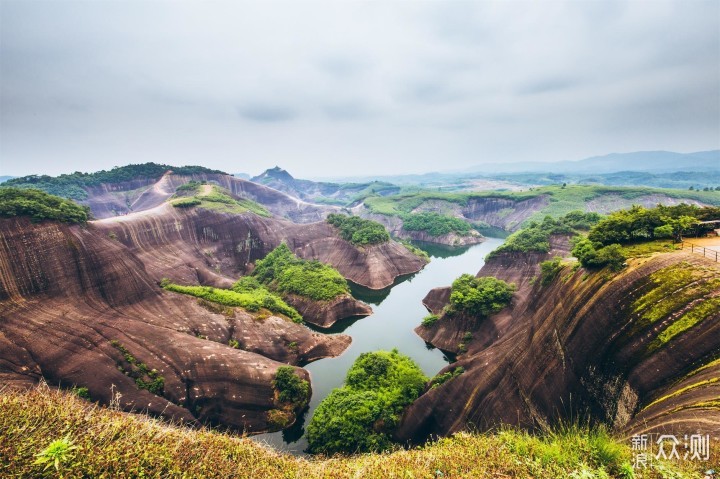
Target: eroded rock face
pixel 197 245
pixel 327 313
pixel 394 225
pixel 574 346
pixel 73 301
pixel 110 200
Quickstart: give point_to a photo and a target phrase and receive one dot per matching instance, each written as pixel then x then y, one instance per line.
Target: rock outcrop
pixel 450 239
pixel 327 313
pixel 79 308
pixel 197 245
pixel 117 199
pixel 394 224
pixel 636 350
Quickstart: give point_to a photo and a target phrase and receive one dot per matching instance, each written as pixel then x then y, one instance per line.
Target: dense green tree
pixel 595 255
pixel 435 224
pixel 480 296
pixel 361 415
pixel 291 387
pixel 535 237
pixel 39 205
pixel 284 272
pixel 359 231
pixel 642 224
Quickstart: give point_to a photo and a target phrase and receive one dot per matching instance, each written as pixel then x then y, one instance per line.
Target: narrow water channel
pixel 396 312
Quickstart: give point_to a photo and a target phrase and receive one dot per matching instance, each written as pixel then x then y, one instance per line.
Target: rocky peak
pixel 275 173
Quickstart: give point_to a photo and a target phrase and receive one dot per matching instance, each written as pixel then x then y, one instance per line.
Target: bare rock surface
pixel 576 346
pixel 72 296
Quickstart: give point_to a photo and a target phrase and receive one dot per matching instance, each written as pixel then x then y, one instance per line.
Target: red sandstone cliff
pixel 580 346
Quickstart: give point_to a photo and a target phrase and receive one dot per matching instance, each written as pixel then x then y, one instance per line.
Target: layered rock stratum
pixel 81 306
pixel 637 350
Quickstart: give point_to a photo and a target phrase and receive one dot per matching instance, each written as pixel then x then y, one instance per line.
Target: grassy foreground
pixel 92 441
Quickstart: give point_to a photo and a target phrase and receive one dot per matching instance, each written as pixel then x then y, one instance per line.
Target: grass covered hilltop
pixel 50 433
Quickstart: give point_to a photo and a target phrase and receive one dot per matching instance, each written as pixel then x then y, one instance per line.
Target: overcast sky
pixel 342 88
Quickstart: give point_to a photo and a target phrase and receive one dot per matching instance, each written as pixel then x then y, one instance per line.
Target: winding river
pixel 396 312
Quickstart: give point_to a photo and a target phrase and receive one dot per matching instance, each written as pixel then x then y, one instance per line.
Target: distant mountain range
pixel 648 168
pixel 645 161
pixel 322 192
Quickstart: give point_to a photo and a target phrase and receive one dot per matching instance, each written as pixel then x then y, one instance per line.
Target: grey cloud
pixel 548 85
pixel 266 113
pixel 364 86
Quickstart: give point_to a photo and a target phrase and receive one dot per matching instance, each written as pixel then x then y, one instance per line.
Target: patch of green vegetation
pixel 480 296
pixel 535 237
pixel 550 269
pixel 39 206
pixel 282 271
pixel 441 379
pixel 647 248
pixel 234 343
pixel 145 378
pixel 407 202
pixel 358 231
pixel 671 289
pixel 419 252
pixel 561 200
pixel 707 382
pixel 429 320
pixel 644 224
pixel 279 418
pixel 435 224
pixel 595 256
pixel 74 185
pixel 575 197
pixel 252 299
pixel 292 389
pixel 186 202
pixel 81 392
pixel 361 415
pixel 191 187
pixel 698 313
pixel 58 454
pixel 220 200
pixel 115 444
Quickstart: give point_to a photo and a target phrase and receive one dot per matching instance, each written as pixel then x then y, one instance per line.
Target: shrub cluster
pixel 550 269
pixel 282 271
pixel 441 379
pixel 218 199
pixel 594 255
pixel 39 206
pixel 435 224
pixel 361 415
pixel 480 296
pixel 430 320
pixel 191 186
pixel 419 252
pixel 252 299
pixel 535 236
pixel 642 224
pixel 186 202
pixel 359 231
pixel 291 388
pixel 145 378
